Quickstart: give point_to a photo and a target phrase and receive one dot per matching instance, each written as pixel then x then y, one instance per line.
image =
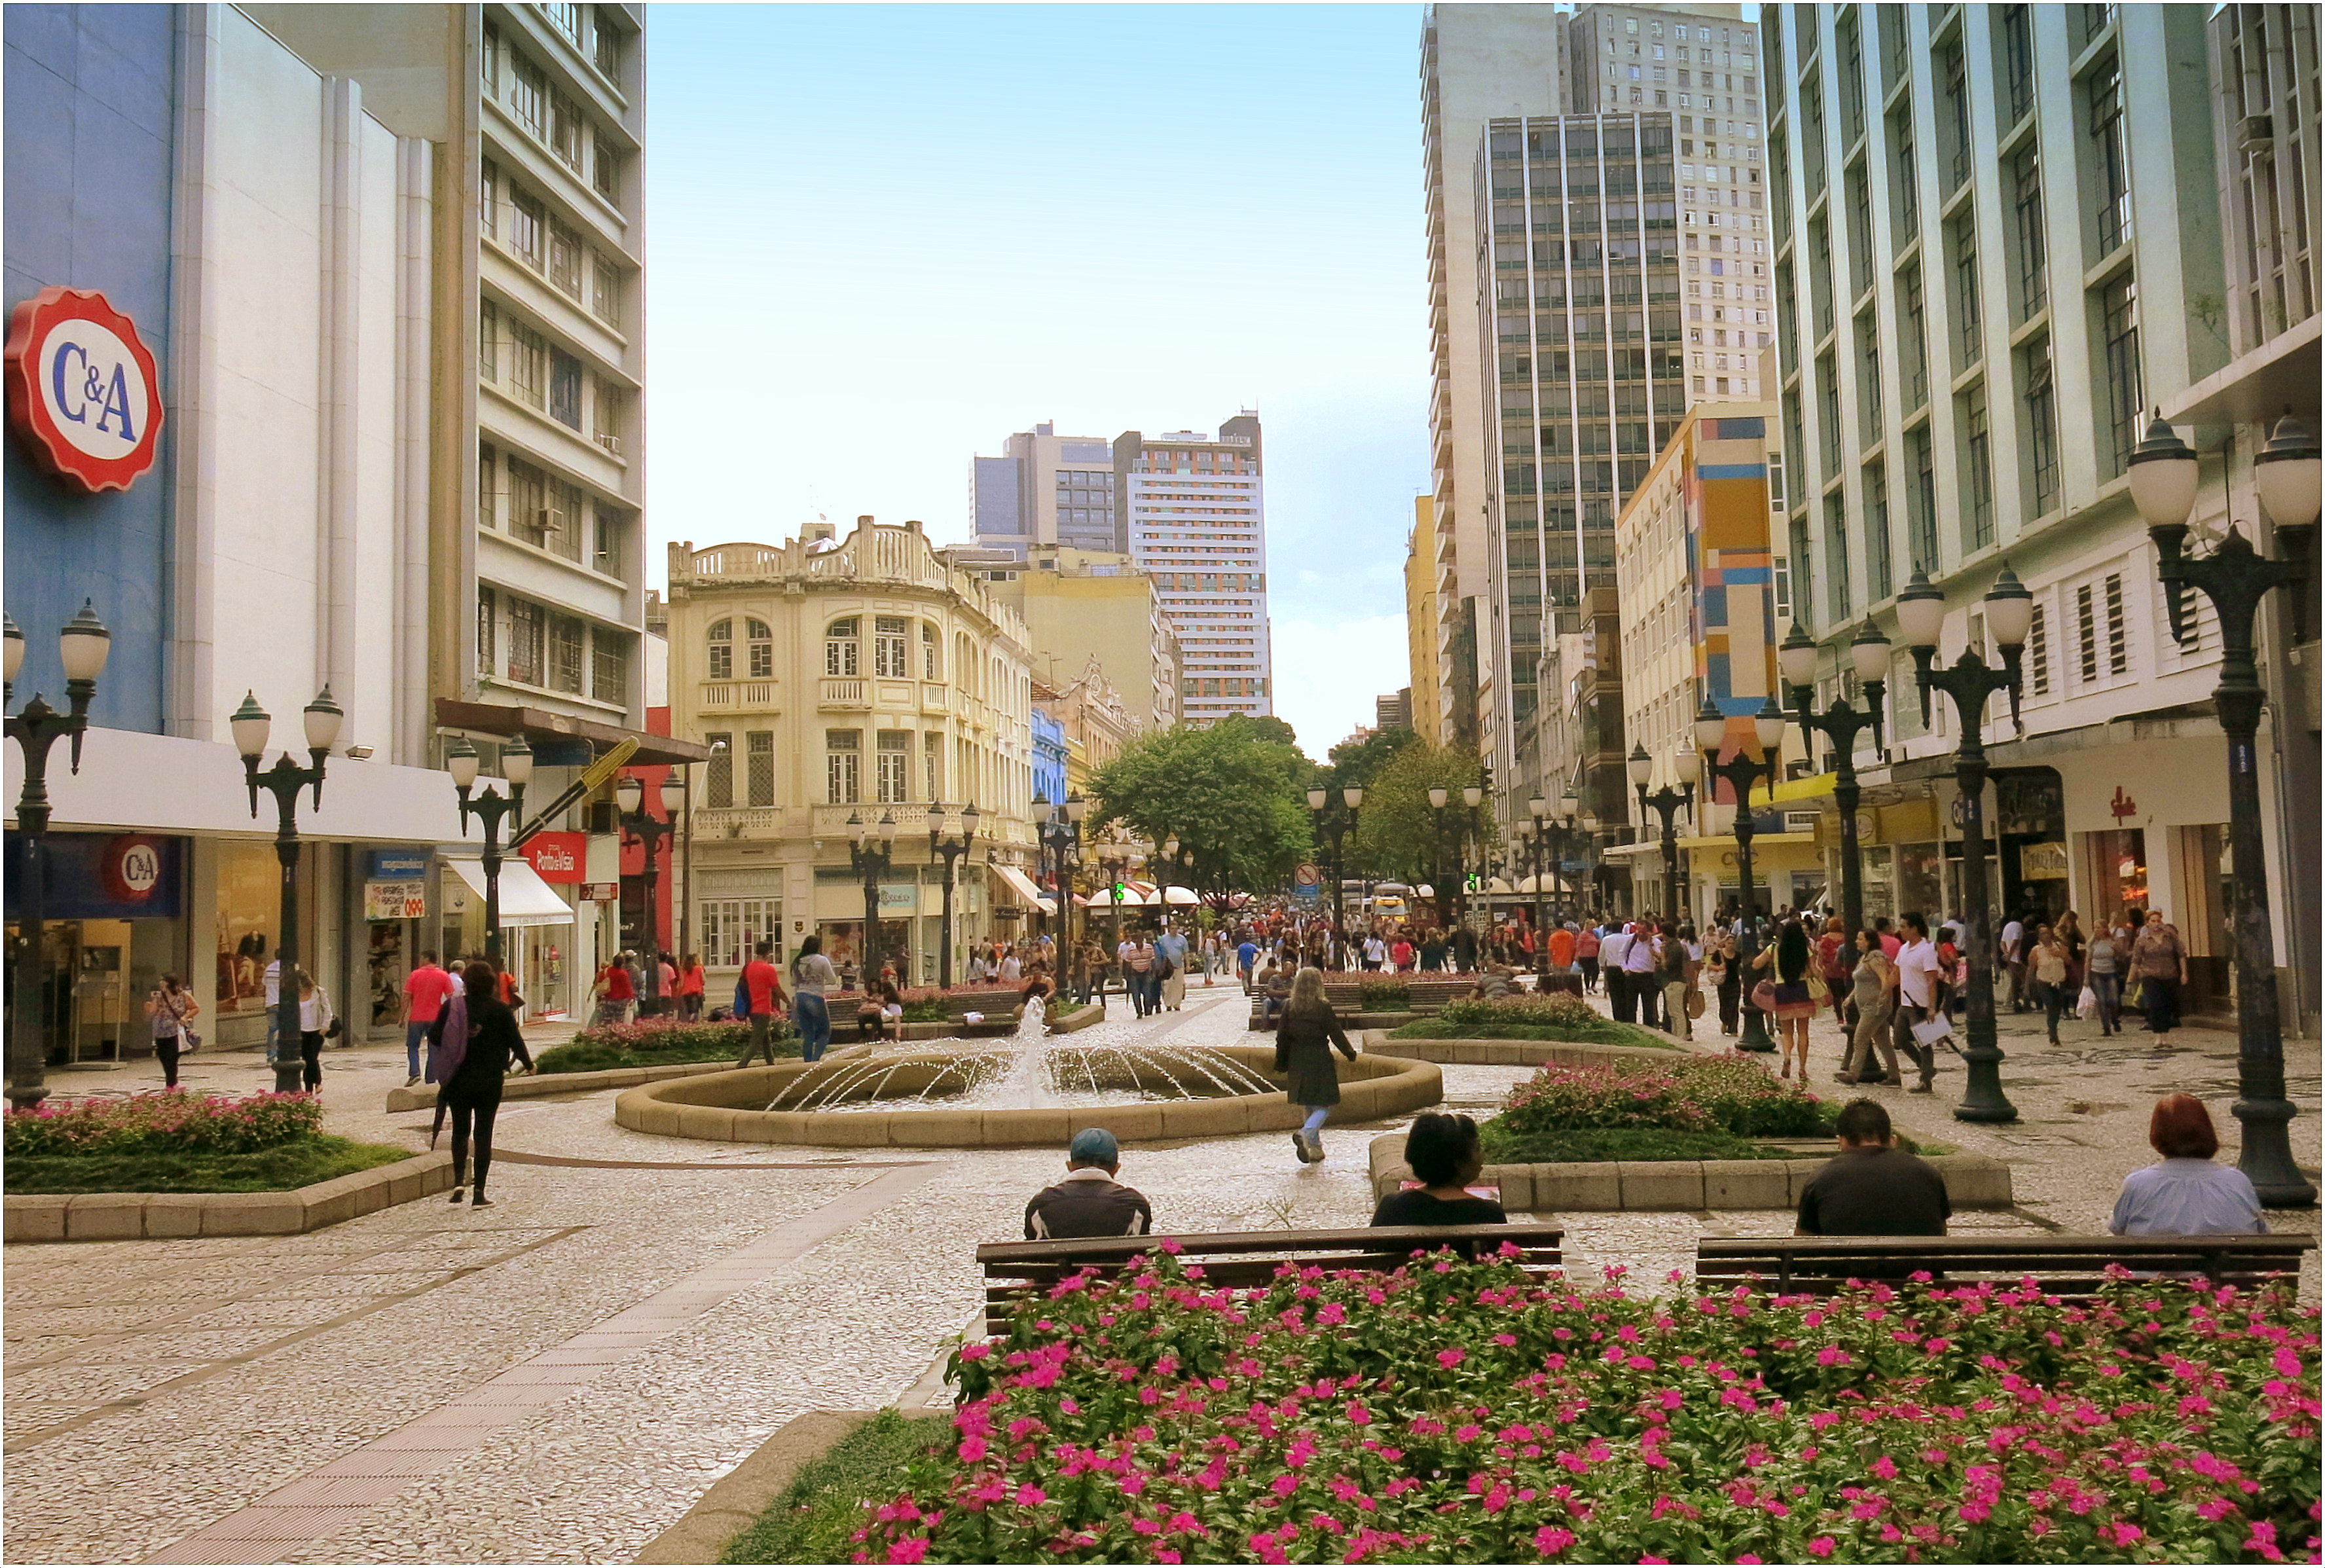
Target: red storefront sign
pixel 84 392
pixel 558 857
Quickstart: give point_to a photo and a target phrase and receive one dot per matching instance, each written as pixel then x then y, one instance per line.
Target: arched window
pixel 842 654
pixel 763 649
pixel 964 667
pixel 931 668
pixel 888 647
pixel 722 651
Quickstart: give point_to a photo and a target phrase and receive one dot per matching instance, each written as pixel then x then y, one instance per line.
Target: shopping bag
pixel 2087 1004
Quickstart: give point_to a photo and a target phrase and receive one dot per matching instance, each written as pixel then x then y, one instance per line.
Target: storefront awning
pixel 1814 787
pixel 525 898
pixel 1025 889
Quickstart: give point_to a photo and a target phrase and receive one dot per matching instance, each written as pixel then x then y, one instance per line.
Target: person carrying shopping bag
pixel 171 1008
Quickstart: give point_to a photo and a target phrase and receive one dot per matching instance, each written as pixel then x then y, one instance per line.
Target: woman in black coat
pixel 1306 1034
pixel 474 1089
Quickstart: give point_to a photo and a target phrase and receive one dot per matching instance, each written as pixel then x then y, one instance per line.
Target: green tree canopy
pixel 1230 795
pixel 1398 833
pixel 1358 762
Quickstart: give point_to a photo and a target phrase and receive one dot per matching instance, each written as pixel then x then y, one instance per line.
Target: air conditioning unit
pixel 2256 133
pixel 549 521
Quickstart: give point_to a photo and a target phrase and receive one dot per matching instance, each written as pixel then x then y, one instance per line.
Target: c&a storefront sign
pixel 84 392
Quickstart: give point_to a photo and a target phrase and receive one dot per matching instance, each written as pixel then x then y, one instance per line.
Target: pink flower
pixel 1550 1541
pixel 1885 1468
pixel 1821 1546
pixel 1031 1495
pixel 972 1449
pixel 1449 1359
pixel 912 1549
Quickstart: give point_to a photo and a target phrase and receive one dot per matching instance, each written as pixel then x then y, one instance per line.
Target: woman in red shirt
pixel 1400 953
pixel 615 993
pixel 690 989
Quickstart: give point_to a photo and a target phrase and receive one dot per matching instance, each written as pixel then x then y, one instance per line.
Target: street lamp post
pixel 953 850
pixel 490 807
pixel 1840 724
pixel 1971 682
pixel 1337 827
pixel 250 724
pixel 1061 836
pixel 1438 799
pixel 83 644
pixel 1739 773
pixel 1666 804
pixel 629 801
pixel 870 850
pixel 2237 579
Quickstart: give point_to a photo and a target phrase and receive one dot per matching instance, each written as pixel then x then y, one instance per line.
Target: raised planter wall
pixel 129 1216
pixel 1510 1053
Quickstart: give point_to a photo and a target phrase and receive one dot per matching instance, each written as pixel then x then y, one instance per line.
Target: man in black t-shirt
pixel 1872 1188
pixel 1090 1202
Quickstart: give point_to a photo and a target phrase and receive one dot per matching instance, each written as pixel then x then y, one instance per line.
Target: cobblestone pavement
pixel 558 1378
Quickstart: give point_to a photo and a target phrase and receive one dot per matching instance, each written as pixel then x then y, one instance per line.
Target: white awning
pixel 525 898
pixel 1181 896
pixel 1025 888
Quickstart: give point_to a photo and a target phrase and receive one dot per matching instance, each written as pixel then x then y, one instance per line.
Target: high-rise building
pixel 1393 710
pixel 1195 511
pixel 1428 572
pixel 1045 488
pixel 2000 245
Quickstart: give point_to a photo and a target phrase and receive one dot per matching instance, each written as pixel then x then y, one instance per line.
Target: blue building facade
pixel 85 203
pixel 1049 759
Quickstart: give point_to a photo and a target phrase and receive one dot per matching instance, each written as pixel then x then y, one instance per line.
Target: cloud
pixel 1328 673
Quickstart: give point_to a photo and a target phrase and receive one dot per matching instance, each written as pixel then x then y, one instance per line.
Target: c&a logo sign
pixel 83 389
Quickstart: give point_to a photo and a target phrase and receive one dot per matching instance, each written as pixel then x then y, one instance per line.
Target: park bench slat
pixel 2060 1265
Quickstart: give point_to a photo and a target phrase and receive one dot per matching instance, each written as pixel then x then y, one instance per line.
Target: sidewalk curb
pixel 133 1216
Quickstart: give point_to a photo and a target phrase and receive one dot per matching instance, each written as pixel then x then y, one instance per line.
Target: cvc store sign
pixel 84 392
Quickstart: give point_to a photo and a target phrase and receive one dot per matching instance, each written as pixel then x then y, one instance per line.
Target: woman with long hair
pixel 1872 988
pixel 812 977
pixel 1791 1005
pixel 1307 1031
pixel 473 1091
pixel 171 1007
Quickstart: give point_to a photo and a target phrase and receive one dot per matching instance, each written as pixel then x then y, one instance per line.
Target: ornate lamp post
pixel 83 644
pixel 490 807
pixel 953 850
pixel 1970 680
pixel 1061 839
pixel 1665 802
pixel 1840 724
pixel 629 800
pixel 2237 579
pixel 1337 826
pixel 285 779
pixel 1739 773
pixel 1438 799
pixel 870 850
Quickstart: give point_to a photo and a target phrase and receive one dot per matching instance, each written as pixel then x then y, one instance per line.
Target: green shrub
pixel 1386 997
pixel 1606 1032
pixel 155 1123
pixel 815 1518
pixel 657 1043
pixel 1730 1094
pixel 275 1169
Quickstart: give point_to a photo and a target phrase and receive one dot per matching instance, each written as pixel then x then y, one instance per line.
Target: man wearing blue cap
pixel 1090 1202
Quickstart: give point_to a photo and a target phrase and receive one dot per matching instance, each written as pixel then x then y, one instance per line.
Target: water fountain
pixel 1022 1089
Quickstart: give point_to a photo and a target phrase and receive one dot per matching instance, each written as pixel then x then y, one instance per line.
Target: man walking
pixel 1612 950
pixel 1917 999
pixel 426 989
pixel 2014 958
pixel 765 988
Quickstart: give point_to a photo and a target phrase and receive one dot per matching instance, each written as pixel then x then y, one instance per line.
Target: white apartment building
pixel 1195 509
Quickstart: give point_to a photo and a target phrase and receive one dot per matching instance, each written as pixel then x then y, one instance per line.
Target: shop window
pixel 729 928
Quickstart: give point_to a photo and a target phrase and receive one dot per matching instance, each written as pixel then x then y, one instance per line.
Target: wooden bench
pixel 1240 1259
pixel 2063 1266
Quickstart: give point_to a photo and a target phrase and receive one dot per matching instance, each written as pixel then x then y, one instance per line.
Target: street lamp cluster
pixel 953 850
pixel 1061 848
pixel 1549 844
pixel 1449 904
pixel 629 802
pixel 1739 773
pixel 1666 804
pixel 1840 724
pixel 490 807
pixel 251 725
pixel 1337 826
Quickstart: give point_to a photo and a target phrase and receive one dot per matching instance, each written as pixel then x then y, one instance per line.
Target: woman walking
pixel 1307 1033
pixel 1834 949
pixel 315 1020
pixel 474 1089
pixel 2160 965
pixel 1791 1006
pixel 813 978
pixel 690 989
pixel 2050 967
pixel 2103 963
pixel 170 1007
pixel 1872 992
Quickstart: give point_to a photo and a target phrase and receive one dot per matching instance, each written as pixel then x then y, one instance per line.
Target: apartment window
pixel 1852 80
pixel 930 667
pixel 760 766
pixel 1978 471
pixel 722 650
pixel 488 341
pixel 565 131
pixel 841 650
pixel 609 552
pixel 1905 182
pixel 1868 379
pixel 1896 48
pixel 564 388
pixel 606 295
pixel 528 502
pixel 2037 656
pixel 488 62
pixel 2040 404
pixel 2025 193
pixel 566 19
pixel 1803 584
pixel 888 647
pixel 569 520
pixel 488 184
pixel 524 642
pixel 2017 34
pixel 606 52
pixel 718 776
pixel 2119 345
pixel 488 627
pixel 609 668
pixel 605 416
pixel 1820 283
pixel 1879 580
pixel 1836 562
pixel 565 251
pixel 843 764
pixel 1961 249
pixel 488 484
pixel 1829 414
pixel 2102 642
pixel 567 639
pixel 524 222
pixel 1860 230
pixel 1912 332
pixel 763 649
pixel 1922 502
pixel 932 764
pixel 894 757
pixel 528 357
pixel 2110 170
pixel 606 170
pixel 1953 116
pixel 528 95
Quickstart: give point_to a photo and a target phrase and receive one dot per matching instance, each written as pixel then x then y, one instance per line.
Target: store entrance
pixel 85 975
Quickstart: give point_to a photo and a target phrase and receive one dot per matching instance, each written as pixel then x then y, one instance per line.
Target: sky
pixel 880 239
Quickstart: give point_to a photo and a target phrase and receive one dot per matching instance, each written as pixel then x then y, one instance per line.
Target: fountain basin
pixel 729 1107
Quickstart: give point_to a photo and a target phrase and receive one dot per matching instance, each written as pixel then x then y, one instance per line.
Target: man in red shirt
pixel 766 988
pixel 426 989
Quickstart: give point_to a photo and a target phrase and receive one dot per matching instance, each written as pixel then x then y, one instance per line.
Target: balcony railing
pixel 738 694
pixel 844 693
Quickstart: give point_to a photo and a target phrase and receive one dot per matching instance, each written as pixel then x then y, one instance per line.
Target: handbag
pixel 1694 1003
pixel 1763 997
pixel 188 1041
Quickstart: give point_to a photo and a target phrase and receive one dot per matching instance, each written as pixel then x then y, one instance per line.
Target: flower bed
pixel 657 1043
pixel 1555 1115
pixel 1386 997
pixel 167 1121
pixel 1557 1015
pixel 1467 1413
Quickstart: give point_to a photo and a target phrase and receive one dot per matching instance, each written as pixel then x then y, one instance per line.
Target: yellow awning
pixel 1803 789
pixel 1759 841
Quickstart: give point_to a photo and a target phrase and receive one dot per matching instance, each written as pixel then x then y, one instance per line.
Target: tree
pixel 1356 763
pixel 1230 795
pixel 1401 834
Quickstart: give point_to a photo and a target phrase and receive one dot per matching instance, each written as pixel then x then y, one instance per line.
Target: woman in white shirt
pixel 2189 1193
pixel 315 1019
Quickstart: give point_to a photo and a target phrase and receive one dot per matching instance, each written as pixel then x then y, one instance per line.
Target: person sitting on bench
pixel 1443 1153
pixel 2189 1194
pixel 1090 1202
pixel 1872 1188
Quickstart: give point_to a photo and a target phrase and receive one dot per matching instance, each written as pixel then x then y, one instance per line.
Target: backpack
pixel 742 999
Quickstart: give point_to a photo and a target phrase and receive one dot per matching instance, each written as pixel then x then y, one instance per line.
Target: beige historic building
pixel 848 684
pixel 1081 605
